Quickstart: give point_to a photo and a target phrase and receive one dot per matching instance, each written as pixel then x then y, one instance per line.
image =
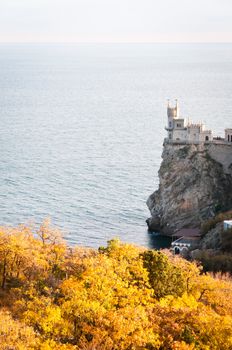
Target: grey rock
pixel 195 182
pixel 212 240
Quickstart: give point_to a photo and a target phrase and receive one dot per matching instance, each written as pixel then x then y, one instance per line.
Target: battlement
pixel 194 126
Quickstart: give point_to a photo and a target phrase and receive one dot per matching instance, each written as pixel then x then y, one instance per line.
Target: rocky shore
pixel 195 183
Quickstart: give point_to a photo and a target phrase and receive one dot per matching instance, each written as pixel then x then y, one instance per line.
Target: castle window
pixel 228 138
pixel 178 125
pixel 231 138
pixel 170 136
pixel 170 124
pixel 207 138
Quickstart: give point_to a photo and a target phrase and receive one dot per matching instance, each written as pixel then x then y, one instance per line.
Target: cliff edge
pixel 195 182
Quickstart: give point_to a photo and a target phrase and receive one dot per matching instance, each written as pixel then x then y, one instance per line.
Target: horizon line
pixel 115 42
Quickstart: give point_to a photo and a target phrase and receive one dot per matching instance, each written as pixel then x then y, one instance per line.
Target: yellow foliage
pixel 182 346
pixel 120 297
pixel 16 335
pixel 183 302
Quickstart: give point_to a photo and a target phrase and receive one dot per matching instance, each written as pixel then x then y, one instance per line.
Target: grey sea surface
pixel 82 127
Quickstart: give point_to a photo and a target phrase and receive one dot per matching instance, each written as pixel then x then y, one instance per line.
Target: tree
pixel 164 277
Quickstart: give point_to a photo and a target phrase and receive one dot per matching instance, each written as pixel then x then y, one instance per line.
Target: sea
pixel 82 129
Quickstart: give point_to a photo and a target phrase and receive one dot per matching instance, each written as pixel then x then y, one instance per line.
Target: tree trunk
pixel 4 274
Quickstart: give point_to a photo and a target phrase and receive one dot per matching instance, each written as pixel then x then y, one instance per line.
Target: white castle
pixel 181 130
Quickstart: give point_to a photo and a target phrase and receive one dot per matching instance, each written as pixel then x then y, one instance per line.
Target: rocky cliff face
pixel 195 182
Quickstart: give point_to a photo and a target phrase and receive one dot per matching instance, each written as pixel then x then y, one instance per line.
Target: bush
pixel 226 239
pixel 220 262
pixel 211 223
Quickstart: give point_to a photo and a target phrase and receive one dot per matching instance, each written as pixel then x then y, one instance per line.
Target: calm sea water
pixel 82 126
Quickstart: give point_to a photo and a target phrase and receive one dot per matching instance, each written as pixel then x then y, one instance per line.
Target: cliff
pixel 195 182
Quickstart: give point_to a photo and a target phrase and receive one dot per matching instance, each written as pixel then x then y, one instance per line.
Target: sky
pixel 115 20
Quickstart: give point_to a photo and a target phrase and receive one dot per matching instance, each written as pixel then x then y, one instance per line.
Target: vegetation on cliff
pixel 119 297
pixel 215 247
pixel 211 223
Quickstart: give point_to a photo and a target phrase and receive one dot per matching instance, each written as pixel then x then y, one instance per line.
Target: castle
pixel 181 130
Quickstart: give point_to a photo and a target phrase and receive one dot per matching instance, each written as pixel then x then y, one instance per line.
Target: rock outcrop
pixel 195 183
pixel 212 239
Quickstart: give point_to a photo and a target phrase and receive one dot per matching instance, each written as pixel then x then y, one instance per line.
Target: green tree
pixel 164 277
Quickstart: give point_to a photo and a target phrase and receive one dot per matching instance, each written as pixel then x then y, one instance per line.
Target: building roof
pixel 227 221
pixel 185 240
pixel 187 232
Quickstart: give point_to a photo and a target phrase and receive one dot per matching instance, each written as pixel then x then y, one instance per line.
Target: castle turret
pixel 173 113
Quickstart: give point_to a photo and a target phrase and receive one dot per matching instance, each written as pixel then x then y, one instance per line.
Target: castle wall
pixel 222 153
pixel 205 136
pixel 193 134
pixel 179 134
pixel 179 123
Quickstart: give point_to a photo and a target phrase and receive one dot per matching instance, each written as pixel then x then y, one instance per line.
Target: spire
pixel 173 112
pixel 177 108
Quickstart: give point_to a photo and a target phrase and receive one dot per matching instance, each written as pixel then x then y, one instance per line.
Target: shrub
pixel 211 223
pixel 226 239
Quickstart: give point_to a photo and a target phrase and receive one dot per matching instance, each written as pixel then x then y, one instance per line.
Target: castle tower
pixel 173 113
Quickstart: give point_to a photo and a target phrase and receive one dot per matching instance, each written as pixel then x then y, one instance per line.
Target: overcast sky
pixel 116 20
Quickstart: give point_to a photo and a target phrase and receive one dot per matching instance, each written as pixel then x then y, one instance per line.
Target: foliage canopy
pixel 119 297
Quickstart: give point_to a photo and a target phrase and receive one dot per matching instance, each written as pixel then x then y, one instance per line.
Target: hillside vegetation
pixel 119 297
pixel 211 223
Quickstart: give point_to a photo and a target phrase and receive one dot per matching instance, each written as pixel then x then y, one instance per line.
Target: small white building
pixel 184 240
pixel 181 129
pixel 228 135
pixel 182 245
pixel 227 224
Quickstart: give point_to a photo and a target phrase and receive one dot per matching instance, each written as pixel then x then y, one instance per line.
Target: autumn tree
pixel 120 297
